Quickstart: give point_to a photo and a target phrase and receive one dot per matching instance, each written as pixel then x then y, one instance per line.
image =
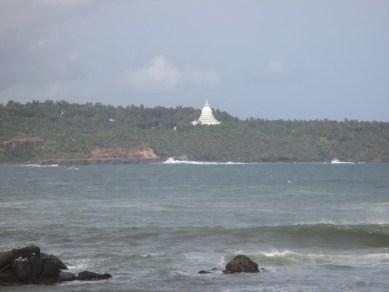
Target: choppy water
pixel 314 227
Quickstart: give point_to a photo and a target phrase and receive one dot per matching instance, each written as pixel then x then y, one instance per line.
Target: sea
pixel 311 226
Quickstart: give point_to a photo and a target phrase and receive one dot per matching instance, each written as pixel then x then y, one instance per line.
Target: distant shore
pixel 60 132
pixel 77 162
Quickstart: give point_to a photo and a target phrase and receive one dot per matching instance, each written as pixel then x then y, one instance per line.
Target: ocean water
pixel 313 227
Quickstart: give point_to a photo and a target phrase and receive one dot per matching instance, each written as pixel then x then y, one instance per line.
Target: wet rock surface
pixel 29 265
pixel 241 264
pixel 90 276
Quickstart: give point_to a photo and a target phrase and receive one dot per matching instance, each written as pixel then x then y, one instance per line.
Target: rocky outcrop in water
pixel 91 276
pixel 29 265
pixel 241 264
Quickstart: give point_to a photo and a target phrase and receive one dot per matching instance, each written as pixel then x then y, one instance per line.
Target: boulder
pixel 66 276
pixel 8 257
pixel 88 276
pixel 50 271
pixel 54 260
pixel 213 270
pixel 21 268
pixel 36 268
pixel 241 264
pixel 5 260
pixel 26 252
pixel 8 277
pixel 29 265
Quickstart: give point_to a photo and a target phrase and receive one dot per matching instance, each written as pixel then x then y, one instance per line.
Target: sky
pixel 300 59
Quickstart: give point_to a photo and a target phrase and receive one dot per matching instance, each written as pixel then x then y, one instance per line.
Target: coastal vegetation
pixel 50 131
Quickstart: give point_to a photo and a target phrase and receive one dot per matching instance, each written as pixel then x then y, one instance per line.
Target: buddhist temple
pixel 206 117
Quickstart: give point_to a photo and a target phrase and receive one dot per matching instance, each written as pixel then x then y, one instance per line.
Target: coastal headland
pixel 66 133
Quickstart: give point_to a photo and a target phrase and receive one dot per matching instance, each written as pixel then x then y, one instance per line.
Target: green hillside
pixel 51 130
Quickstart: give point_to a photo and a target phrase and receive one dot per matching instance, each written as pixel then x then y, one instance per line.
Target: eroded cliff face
pixel 124 154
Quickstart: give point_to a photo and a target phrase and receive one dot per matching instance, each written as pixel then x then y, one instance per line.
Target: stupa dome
pixel 206 117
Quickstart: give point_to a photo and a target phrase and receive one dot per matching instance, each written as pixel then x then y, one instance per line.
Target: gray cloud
pixel 161 75
pixel 300 59
pixel 29 52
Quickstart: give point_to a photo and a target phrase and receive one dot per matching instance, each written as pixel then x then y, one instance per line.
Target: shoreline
pixel 80 162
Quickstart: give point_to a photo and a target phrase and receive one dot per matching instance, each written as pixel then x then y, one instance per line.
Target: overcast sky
pixel 267 59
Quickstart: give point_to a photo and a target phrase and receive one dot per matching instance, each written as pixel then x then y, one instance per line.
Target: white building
pixel 206 117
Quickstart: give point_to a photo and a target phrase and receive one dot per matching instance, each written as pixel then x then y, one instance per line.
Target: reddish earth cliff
pixel 124 154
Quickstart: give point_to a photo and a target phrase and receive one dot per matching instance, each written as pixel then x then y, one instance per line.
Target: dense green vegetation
pixel 74 130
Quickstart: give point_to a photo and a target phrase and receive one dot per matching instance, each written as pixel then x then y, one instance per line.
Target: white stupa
pixel 206 117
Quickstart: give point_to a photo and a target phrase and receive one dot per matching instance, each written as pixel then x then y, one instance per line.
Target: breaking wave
pixel 299 236
pixel 171 160
pixel 289 257
pixel 39 165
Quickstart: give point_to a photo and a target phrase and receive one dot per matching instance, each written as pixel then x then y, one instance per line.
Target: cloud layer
pixel 160 75
pixel 300 59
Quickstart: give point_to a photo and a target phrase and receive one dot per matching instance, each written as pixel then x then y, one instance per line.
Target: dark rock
pixel 5 260
pixel 87 276
pixel 36 268
pixel 66 276
pixel 208 271
pixel 42 268
pixel 8 257
pixel 53 259
pixel 21 268
pixel 50 271
pixel 8 277
pixel 25 252
pixel 29 265
pixel 241 264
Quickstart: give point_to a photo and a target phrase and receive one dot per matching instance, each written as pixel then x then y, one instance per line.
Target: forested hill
pixel 62 131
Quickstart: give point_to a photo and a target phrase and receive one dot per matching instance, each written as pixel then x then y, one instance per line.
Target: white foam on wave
pixel 151 254
pixel 39 165
pixel 337 161
pixel 276 257
pixel 171 160
pixel 278 253
pixel 203 257
pixel 79 264
pixel 322 221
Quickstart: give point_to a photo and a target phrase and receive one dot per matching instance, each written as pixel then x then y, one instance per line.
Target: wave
pixel 331 236
pixel 310 236
pixel 290 257
pixel 171 160
pixel 39 165
pixel 73 168
pixel 379 233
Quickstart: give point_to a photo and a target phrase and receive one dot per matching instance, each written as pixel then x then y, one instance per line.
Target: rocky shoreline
pixel 28 265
